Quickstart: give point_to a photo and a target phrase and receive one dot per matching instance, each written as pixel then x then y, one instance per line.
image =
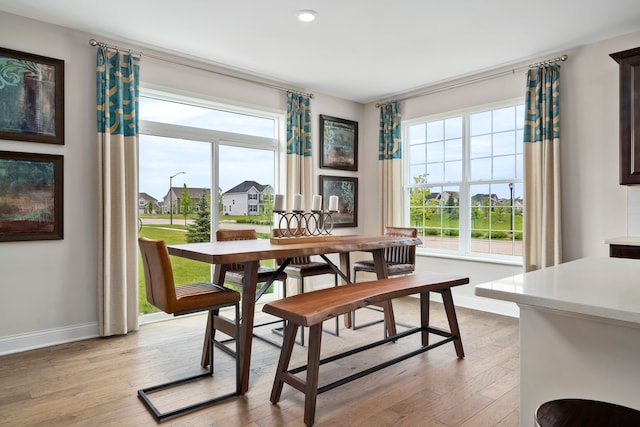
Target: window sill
pixel 470 258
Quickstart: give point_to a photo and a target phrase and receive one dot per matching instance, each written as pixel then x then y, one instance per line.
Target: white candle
pixel 278 203
pixel 333 203
pixel 297 203
pixel 316 206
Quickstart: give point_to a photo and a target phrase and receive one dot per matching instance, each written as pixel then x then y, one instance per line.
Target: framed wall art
pixel 30 196
pixel 346 189
pixel 338 143
pixel 31 97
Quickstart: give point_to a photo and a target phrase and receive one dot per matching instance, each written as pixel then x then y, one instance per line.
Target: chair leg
pixel 144 393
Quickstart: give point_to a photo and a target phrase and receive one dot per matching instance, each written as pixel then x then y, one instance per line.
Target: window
pixel 189 147
pixel 464 181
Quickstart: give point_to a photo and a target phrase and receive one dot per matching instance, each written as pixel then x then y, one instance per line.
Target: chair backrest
pixel 401 254
pixel 277 232
pixel 223 235
pixel 158 274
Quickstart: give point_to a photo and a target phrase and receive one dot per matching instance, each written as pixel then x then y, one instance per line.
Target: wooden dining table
pixel 249 253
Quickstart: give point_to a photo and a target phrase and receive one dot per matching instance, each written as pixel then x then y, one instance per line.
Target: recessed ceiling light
pixel 307 15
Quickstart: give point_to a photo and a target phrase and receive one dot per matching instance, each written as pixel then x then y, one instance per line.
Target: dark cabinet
pixel 629 64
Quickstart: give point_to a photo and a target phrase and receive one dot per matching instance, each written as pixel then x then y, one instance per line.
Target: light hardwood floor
pixel 94 382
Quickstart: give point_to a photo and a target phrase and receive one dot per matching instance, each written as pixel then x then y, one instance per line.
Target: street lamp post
pixel 171 196
pixel 512 210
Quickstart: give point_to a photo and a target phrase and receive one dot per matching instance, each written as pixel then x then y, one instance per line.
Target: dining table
pixel 249 253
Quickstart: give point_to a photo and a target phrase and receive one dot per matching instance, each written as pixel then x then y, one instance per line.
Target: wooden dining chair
pixel 234 273
pixel 301 267
pixel 399 260
pixel 184 299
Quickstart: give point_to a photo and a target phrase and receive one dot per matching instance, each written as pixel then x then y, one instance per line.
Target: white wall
pixel 48 288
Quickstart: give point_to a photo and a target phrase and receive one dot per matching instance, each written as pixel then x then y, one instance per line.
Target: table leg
pixel 382 272
pixel 249 284
pixel 345 267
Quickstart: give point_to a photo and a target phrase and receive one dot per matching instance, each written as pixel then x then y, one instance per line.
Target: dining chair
pixel 399 260
pixel 184 299
pixel 301 267
pixel 234 273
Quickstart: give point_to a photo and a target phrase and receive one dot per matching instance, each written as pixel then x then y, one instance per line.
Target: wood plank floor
pixel 94 382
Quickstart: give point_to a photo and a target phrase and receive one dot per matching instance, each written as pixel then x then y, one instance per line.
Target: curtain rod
pixel 94 43
pixel 561 58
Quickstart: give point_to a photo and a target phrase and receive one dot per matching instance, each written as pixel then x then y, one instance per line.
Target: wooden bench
pixel 312 308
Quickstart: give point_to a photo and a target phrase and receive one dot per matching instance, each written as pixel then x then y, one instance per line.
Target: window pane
pixel 417 133
pixel 435 152
pixel 504 143
pixel 453 171
pixel 503 119
pixel 480 123
pixel 453 149
pixel 504 167
pixel 480 169
pixel 453 128
pixel 177 113
pixel 415 171
pixel 435 131
pixel 417 153
pixel 480 146
pixel 435 173
pixel 246 177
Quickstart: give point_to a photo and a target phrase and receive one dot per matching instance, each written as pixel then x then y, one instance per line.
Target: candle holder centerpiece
pixel 299 225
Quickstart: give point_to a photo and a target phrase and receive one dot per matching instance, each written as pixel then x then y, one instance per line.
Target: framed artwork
pixel 346 189
pixel 338 143
pixel 31 97
pixel 30 196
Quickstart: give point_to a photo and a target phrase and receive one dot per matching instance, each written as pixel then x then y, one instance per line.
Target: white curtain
pixel 117 80
pixel 542 215
pixel 390 165
pixel 299 153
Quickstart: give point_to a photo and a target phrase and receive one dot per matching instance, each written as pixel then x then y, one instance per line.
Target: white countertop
pixel 624 240
pixel 602 287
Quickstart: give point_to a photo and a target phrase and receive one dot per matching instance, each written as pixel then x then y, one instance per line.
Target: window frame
pixel 216 138
pixel 464 185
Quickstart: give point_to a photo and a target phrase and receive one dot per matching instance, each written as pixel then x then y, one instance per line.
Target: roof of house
pixel 245 186
pixel 147 197
pixel 194 192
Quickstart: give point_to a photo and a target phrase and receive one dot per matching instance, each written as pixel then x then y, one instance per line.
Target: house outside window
pixel 463 181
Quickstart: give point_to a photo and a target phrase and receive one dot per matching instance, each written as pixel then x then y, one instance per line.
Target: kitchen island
pixel 579 331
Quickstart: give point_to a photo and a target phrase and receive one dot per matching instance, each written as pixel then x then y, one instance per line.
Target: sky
pixel 163 157
pixel 160 158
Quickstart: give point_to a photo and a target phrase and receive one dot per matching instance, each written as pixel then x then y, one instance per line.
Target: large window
pixel 204 166
pixel 464 181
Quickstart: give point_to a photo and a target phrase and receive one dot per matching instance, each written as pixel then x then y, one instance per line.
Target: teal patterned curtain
pixel 390 164
pixel 299 150
pixel 542 219
pixel 117 87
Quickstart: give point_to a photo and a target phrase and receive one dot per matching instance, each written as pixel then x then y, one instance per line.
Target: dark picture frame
pixel 31 196
pixel 346 188
pixel 338 143
pixel 31 97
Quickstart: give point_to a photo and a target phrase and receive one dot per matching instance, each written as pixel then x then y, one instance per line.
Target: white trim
pixel 45 338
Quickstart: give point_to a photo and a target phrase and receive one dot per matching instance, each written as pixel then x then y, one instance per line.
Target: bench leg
pixel 290 332
pixel 313 368
pixel 424 317
pixel 450 309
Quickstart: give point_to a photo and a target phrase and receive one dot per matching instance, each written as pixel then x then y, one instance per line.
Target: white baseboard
pixel 46 338
pixel 19 343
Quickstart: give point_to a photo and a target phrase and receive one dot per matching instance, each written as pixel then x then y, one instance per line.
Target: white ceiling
pixel 362 50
